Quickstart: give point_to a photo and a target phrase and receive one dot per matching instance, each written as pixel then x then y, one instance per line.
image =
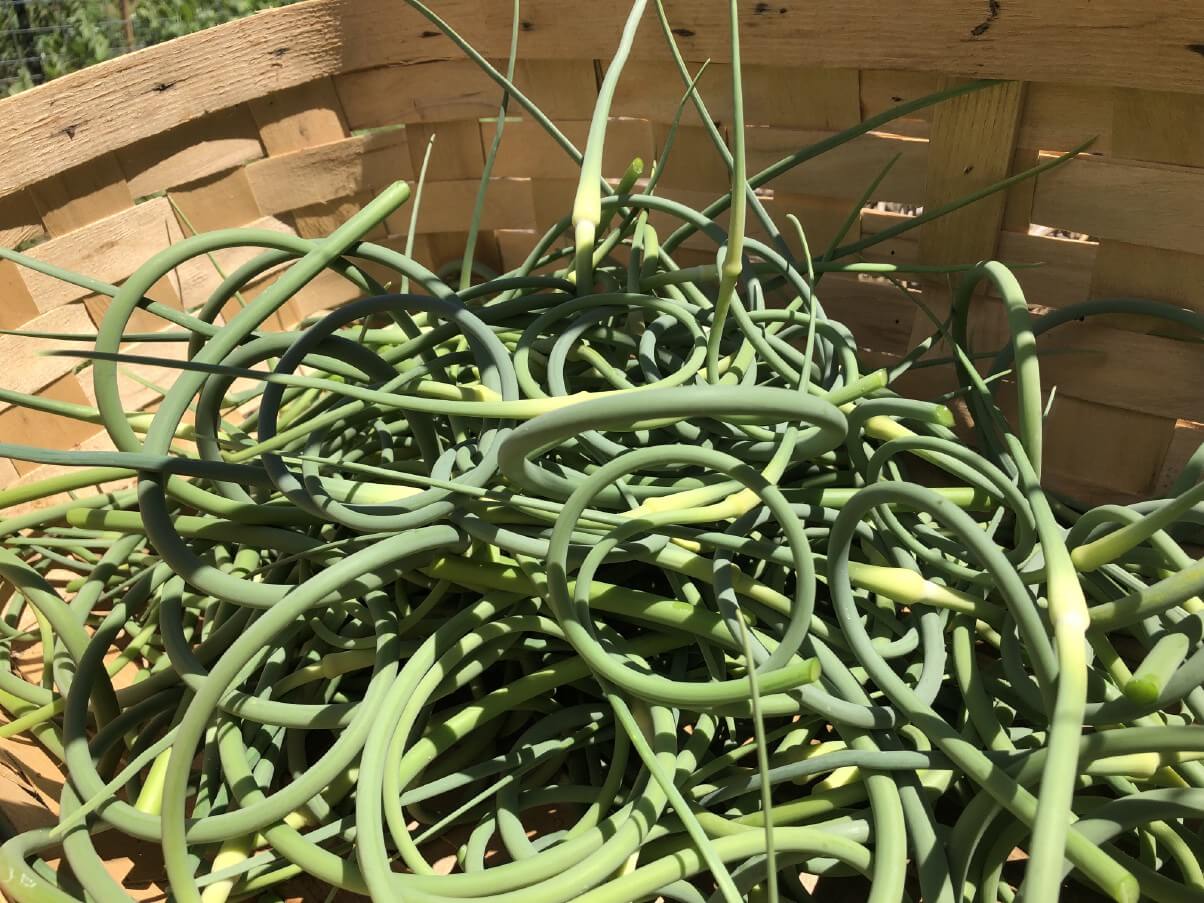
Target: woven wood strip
pixel 280 147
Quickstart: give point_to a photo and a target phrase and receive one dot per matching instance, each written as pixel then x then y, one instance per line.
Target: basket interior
pixel 291 119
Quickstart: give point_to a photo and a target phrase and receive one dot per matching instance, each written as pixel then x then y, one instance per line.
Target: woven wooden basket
pixel 289 120
pixel 292 118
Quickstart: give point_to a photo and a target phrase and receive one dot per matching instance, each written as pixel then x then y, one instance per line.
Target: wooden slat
pixel 1058 117
pixel 193 151
pixel 16 303
pixel 80 116
pixel 110 249
pixel 527 150
pixel 563 88
pixel 307 301
pixel 821 218
pixel 1185 440
pixel 299 117
pixel 1166 128
pixel 446 90
pixel 878 314
pixel 420 92
pixel 217 202
pixel 652 89
pixel 195 279
pixel 1018 202
pixel 1082 442
pixel 330 171
pixel 141 320
pixel 901 250
pixel 1148 45
pixel 1082 455
pixel 82 195
pixel 319 220
pixel 1159 126
pixel 1115 366
pixel 1064 276
pixel 514 245
pixel 134 395
pixel 875 221
pixel 457 154
pixel 971 147
pixel 552 200
pixel 448 247
pixel 98 441
pixel 694 163
pixel 1135 271
pixel 817 99
pixel 26 369
pixel 448 206
pixel 882 89
pixel 84 114
pixel 1147 204
pixel 847 171
pixel 442 90
pixel 19 220
pixel 326 292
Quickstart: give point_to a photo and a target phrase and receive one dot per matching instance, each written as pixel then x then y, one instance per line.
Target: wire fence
pixel 43 39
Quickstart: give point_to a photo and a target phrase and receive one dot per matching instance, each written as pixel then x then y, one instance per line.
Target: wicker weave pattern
pixel 288 121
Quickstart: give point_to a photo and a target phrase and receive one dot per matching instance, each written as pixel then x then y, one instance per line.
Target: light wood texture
pixel 18 306
pixel 446 206
pixel 252 124
pixel 1140 373
pixel 194 280
pixel 1150 204
pixel 1137 271
pixel 1063 272
pixel 299 117
pixel 1186 438
pixel 514 245
pixel 1018 202
pixel 22 425
pixel 437 91
pixel 1060 116
pixel 1113 466
pixel 19 220
pixel 817 99
pixel 457 154
pixel 694 163
pixel 1159 126
pixel 317 220
pixel 222 200
pixel 329 172
pixel 527 150
pixel 110 249
pixel 971 146
pixel 193 151
pixel 849 171
pixel 81 195
pixel 453 90
pixel 26 368
pixel 884 89
pixel 85 114
pixel 78 117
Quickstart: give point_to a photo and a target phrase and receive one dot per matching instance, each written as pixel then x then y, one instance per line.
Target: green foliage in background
pixel 65 35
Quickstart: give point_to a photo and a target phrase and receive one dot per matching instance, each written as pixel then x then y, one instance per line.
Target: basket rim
pixel 86 114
